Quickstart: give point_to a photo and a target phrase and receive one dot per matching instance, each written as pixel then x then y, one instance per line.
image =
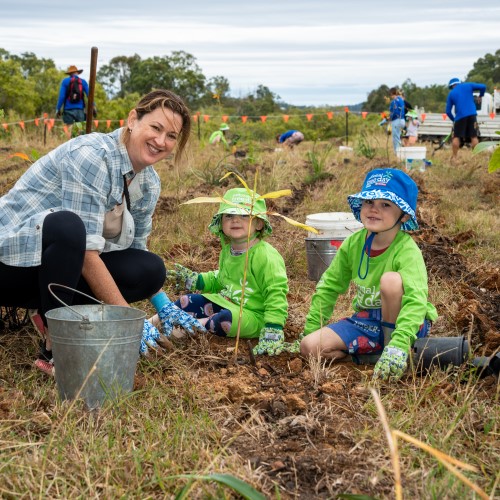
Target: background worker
pixel 290 138
pixel 220 135
pixel 461 101
pixel 397 117
pixel 72 98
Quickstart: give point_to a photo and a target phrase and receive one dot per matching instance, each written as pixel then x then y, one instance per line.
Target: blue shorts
pixel 362 332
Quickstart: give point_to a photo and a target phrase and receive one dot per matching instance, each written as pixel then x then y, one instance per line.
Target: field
pixel 291 428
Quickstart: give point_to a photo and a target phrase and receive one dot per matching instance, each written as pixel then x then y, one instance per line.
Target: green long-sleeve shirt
pixel 402 256
pixel 266 288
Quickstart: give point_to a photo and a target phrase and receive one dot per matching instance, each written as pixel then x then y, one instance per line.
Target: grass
pixel 313 431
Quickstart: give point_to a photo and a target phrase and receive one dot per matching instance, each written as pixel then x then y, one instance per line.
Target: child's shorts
pixel 362 332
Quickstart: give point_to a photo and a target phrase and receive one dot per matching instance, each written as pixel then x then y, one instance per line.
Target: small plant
pixel 494 163
pixel 318 163
pixel 364 148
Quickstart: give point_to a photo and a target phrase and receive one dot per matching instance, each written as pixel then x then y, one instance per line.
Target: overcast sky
pixel 309 52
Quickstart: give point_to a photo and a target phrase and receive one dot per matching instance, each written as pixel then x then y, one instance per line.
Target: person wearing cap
pixel 388 271
pixel 242 224
pixel 290 138
pixel 219 135
pixel 461 110
pixel 72 111
pixel 412 124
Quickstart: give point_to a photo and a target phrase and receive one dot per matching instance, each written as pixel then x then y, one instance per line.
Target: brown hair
pixel 165 99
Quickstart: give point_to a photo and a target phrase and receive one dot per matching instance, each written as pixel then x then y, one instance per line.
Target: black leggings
pixel 137 273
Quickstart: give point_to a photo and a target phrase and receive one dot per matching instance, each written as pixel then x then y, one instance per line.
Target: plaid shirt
pixel 85 176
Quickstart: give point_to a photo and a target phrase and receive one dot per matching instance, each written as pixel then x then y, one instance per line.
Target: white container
pixel 345 149
pixel 334 228
pixel 411 153
pixel 333 224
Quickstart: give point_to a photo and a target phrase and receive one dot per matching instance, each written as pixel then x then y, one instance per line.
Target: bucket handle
pixel 319 255
pixel 84 318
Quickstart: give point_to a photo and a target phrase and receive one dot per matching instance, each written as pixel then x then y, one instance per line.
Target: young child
pixel 242 224
pixel 412 124
pixel 388 270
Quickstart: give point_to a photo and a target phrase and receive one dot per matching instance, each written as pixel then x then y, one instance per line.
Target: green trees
pixel 486 70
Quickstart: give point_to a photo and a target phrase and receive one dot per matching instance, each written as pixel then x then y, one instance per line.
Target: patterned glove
pixel 150 335
pixel 271 341
pixel 183 278
pixel 391 364
pixel 294 347
pixel 170 315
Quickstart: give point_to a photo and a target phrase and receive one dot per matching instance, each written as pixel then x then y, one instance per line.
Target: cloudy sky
pixel 309 52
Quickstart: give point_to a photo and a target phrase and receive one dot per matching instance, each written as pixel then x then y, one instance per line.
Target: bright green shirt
pixel 402 256
pixel 266 288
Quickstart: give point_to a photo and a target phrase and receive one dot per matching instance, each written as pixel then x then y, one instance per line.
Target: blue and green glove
pixel 183 278
pixel 150 335
pixel 170 315
pixel 391 364
pixel 294 347
pixel 271 341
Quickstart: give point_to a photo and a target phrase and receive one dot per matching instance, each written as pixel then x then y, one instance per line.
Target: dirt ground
pixel 295 423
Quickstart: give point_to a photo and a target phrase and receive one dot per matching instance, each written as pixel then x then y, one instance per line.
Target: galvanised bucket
pixel 95 349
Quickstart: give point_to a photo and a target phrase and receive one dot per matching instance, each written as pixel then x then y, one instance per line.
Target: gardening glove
pixel 391 364
pixel 183 278
pixel 170 315
pixel 294 347
pixel 150 335
pixel 271 341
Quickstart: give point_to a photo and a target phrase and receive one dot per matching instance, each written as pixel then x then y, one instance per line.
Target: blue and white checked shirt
pixel 85 176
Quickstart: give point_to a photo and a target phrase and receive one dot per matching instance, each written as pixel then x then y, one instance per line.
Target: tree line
pixel 29 87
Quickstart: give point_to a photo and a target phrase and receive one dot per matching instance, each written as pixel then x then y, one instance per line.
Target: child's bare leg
pixel 391 291
pixel 323 342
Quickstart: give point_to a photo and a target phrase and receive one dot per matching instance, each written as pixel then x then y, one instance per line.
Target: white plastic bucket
pixel 334 228
pixel 411 153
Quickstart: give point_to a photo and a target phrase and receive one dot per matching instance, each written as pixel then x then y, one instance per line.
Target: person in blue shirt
pixel 72 111
pixel 461 101
pixel 397 117
pixel 290 138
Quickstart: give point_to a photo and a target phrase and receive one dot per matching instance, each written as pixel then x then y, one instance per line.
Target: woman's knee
pixel 64 227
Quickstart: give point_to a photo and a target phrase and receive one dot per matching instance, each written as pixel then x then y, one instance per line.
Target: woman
pixel 81 215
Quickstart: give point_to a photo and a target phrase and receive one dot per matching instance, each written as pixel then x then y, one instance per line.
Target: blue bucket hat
pixel 453 82
pixel 388 184
pixel 385 184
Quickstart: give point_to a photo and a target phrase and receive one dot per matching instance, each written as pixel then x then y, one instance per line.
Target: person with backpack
pixel 72 94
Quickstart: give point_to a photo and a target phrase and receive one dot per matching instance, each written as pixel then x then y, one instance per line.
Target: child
pixel 242 224
pixel 388 270
pixel 412 124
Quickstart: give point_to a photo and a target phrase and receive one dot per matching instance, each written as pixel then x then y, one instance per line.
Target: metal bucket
pixel 334 228
pixel 320 253
pixel 95 349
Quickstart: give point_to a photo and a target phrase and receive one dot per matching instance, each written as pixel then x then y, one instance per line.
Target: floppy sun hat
pixel 73 69
pixel 224 126
pixel 412 114
pixel 388 184
pixel 238 201
pixel 453 82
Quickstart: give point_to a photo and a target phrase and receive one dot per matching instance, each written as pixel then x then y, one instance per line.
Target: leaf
pixel 276 194
pixel 494 163
pixel 295 223
pixel 204 199
pixel 483 146
pixel 236 484
pixel 20 155
pixel 239 178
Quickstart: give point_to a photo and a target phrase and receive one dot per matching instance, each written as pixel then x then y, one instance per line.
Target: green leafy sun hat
pixel 240 201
